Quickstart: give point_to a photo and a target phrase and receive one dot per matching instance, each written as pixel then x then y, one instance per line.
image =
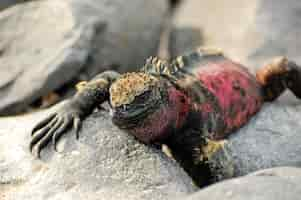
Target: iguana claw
pixel 52 128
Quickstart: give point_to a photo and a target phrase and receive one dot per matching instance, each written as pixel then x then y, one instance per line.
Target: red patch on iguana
pixel 159 125
pixel 155 127
pixel 236 90
pixel 206 108
pixel 180 103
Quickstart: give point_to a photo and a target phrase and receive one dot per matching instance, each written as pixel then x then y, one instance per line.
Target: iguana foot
pixel 279 75
pixel 53 127
pixel 211 147
pixel 89 96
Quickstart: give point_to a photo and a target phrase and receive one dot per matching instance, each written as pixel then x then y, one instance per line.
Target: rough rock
pixel 276 184
pixel 250 32
pixel 45 44
pixel 272 138
pixel 105 163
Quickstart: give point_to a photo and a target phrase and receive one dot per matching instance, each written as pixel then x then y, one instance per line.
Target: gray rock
pixel 272 138
pixel 7 3
pixel 105 163
pixel 250 32
pixel 293 173
pixel 45 44
pixel 187 38
pixel 276 184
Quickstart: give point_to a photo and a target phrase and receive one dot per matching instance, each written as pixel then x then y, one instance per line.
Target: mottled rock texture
pixel 105 163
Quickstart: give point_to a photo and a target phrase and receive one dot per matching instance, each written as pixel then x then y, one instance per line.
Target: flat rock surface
pixel 105 163
pixel 250 32
pixel 272 138
pixel 45 44
pixel 276 184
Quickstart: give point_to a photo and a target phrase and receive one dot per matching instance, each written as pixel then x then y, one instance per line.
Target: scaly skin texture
pixel 236 91
pixel 191 104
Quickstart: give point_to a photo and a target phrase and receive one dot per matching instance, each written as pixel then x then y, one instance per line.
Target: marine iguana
pixel 191 103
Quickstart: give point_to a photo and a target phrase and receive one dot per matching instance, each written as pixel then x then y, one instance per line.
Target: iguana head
pixel 137 99
pixel 146 105
pixel 130 87
pixel 134 95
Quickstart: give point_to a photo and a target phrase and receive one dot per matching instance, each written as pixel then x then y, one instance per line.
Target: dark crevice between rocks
pixel 175 3
pixel 65 91
pixel 68 89
pixel 200 173
pixel 2 52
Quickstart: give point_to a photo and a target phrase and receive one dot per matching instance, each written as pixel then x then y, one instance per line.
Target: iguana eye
pixel 138 101
pixel 142 98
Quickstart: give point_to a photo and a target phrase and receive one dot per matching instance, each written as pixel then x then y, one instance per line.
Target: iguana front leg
pixel 90 95
pixel 187 149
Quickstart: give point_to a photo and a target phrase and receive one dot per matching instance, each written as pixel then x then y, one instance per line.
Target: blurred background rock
pixel 7 3
pixel 250 32
pixel 46 44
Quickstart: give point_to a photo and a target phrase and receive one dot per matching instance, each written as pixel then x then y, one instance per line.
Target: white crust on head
pixel 128 86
